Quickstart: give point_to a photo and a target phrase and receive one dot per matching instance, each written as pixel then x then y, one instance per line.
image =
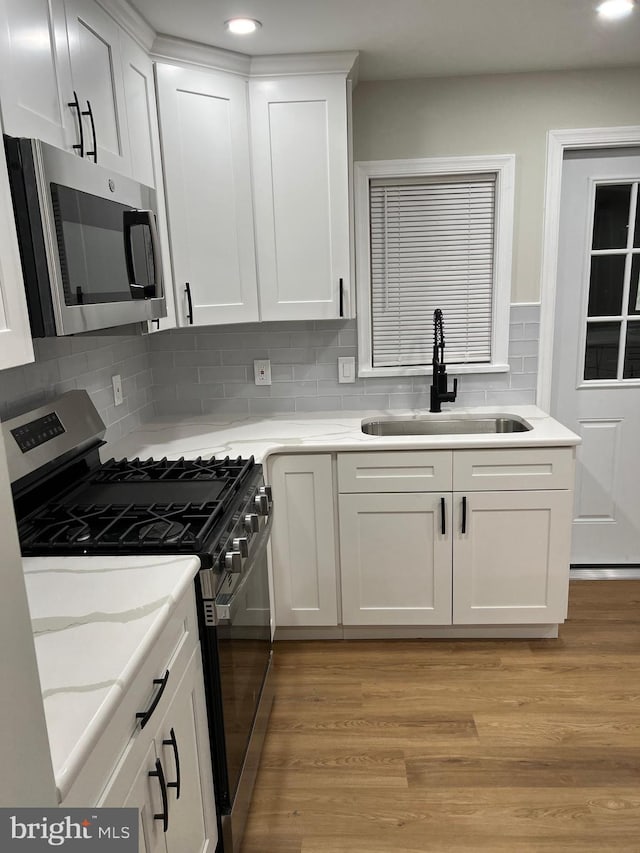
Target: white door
pixel 596 360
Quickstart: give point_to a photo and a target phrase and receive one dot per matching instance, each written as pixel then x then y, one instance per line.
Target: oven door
pixel 237 656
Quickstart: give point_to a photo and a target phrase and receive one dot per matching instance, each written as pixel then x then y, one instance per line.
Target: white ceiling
pixel 414 38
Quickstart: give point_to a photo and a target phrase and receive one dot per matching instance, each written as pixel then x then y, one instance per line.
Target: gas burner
pixel 161 530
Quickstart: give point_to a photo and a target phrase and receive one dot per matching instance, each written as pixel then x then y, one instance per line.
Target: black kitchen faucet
pixel 439 393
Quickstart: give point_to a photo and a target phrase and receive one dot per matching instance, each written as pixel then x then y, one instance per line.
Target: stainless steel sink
pixel 450 425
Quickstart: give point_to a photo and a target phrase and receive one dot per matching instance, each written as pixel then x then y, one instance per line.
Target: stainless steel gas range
pixel 69 503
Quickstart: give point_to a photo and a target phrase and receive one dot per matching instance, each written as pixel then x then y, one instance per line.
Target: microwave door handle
pixel 142 217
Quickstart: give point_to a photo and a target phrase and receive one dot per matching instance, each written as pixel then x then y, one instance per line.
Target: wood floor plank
pixel 469 746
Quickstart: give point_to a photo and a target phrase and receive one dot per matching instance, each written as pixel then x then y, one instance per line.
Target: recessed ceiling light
pixel 615 8
pixel 242 26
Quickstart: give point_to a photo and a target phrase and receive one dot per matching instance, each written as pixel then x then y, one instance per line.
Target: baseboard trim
pixel 417 632
pixel 585 572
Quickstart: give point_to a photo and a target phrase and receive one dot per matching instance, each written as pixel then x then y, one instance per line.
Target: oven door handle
pixel 225 611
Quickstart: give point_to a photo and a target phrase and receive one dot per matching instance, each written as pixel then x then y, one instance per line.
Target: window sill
pixel 366 372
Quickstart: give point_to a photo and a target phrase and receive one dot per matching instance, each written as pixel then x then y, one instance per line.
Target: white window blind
pixel 432 246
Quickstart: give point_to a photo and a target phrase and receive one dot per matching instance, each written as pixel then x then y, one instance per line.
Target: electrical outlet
pixel 117 389
pixel 262 371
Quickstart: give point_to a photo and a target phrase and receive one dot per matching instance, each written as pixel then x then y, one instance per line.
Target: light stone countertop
pixel 208 435
pixel 95 620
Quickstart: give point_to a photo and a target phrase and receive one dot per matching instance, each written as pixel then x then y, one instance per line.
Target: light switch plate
pixel 347 369
pixel 262 371
pixel 117 390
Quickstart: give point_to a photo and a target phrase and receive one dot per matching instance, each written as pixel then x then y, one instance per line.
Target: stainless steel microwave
pixel 88 241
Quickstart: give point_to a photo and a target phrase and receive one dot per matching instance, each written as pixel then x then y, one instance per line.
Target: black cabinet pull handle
pixel 145 716
pixel 341 298
pixel 187 288
pixel 75 105
pixel 174 743
pixel 164 814
pixel 464 515
pixel 443 523
pixel 89 112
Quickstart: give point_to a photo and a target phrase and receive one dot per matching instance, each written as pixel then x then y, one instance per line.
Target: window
pixel 433 234
pixel 612 339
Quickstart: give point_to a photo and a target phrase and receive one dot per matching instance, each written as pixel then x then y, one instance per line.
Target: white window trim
pixel 504 167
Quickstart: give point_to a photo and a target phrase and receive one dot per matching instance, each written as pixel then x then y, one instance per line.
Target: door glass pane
pixel 632 352
pixel 611 216
pixel 634 289
pixel 605 286
pixel 601 356
pixel 636 232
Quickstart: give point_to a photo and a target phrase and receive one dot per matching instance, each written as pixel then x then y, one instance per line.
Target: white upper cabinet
pixel 96 73
pixel 15 335
pixel 144 148
pixel 33 85
pixel 205 141
pixel 301 194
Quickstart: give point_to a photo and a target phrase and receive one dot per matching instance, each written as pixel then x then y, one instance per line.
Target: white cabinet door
pixel 303 542
pixel 182 745
pixel 144 147
pixel 395 559
pixel 301 189
pixel 15 335
pixel 145 795
pixel 511 557
pixel 187 776
pixel 35 84
pixel 205 139
pixel 96 71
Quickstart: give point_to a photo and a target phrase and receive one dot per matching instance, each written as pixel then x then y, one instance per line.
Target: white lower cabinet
pixel 303 541
pixel 511 557
pixel 413 549
pixel 396 559
pixel 176 763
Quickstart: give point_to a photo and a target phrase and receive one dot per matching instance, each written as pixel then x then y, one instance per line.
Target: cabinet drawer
pixel 402 471
pixel 513 469
pixel 171 651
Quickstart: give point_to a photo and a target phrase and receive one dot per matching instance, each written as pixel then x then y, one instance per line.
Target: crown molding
pixel 337 62
pixel 168 48
pixel 131 21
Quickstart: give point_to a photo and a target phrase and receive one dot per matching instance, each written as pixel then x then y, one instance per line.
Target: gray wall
pixel 88 362
pixel 494 114
pixel 210 370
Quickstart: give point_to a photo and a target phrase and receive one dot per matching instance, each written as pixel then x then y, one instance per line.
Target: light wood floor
pixel 465 746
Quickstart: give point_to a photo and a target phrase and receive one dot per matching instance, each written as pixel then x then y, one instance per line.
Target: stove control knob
pixel 261 504
pixel 233 561
pixel 266 490
pixel 251 523
pixel 242 545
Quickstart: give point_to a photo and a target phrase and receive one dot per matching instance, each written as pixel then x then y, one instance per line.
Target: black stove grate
pixel 116 508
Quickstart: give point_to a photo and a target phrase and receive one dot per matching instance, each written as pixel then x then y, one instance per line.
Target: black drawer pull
pixel 174 743
pixel 341 298
pixel 94 153
pixel 443 524
pixel 75 105
pixel 164 814
pixel 464 515
pixel 145 716
pixel 187 288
